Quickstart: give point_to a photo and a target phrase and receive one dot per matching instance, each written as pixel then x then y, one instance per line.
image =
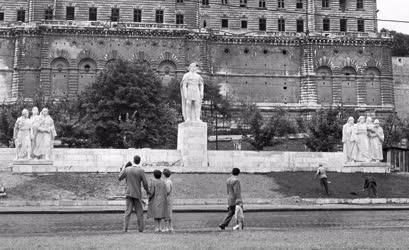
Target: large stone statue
pixel 21 136
pixel 192 90
pixel 360 151
pixel 376 138
pixel 44 138
pixel 34 119
pixel 347 130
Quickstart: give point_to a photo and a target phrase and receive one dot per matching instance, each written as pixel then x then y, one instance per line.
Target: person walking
pixel 234 194
pixel 157 207
pixel 135 177
pixel 322 175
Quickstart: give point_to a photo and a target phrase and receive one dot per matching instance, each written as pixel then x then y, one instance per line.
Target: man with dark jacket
pixel 234 193
pixel 134 176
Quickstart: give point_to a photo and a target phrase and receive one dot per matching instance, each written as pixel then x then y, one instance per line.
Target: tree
pixel 261 132
pixel 126 107
pixel 400 43
pixel 325 129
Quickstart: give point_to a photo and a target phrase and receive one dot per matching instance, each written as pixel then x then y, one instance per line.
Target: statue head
pixel 44 112
pixel 34 111
pixel 376 122
pixel 361 119
pixel 351 120
pixel 193 67
pixel 24 113
pixel 368 120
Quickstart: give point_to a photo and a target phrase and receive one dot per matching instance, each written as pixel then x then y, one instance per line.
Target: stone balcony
pixel 111 25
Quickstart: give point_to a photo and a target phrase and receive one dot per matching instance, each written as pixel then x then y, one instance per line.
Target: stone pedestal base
pixel 33 166
pixel 192 143
pixel 366 167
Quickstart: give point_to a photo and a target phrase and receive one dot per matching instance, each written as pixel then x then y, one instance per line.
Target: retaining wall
pixel 110 160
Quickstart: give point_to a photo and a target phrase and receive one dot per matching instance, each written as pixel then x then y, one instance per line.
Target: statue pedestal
pixel 366 167
pixel 192 143
pixel 32 166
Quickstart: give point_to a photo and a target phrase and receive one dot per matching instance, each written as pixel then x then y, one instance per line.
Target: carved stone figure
pixel 44 139
pixel 347 130
pixel 34 119
pixel 21 136
pixel 376 138
pixel 360 151
pixel 192 90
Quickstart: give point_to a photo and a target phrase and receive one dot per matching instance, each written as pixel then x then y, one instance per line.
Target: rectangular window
pixel 325 3
pixel 159 16
pixel 361 25
pixel 262 24
pixel 359 4
pixel 244 24
pixel 21 16
pixel 92 14
pixel 1 16
pixel 281 24
pixel 342 5
pixel 343 25
pixel 225 23
pixel 205 2
pixel 262 4
pixel 70 13
pixel 299 4
pixel 300 25
pixel 243 3
pixel 48 15
pixel 179 19
pixel 179 1
pixel 137 15
pixel 281 4
pixel 326 24
pixel 114 14
pixel 225 2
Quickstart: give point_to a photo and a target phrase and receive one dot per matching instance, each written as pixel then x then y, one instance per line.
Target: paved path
pixel 90 223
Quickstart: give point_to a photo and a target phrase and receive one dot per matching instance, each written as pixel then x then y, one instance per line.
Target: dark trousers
pixel 133 204
pixel 372 192
pixel 324 184
pixel 229 216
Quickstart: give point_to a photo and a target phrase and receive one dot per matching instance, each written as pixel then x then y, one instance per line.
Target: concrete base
pixel 33 166
pixel 366 167
pixel 192 143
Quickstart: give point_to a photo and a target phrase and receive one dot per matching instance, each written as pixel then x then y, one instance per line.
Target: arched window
pixel 373 86
pixel 348 86
pixel 324 85
pixel 59 77
pixel 86 73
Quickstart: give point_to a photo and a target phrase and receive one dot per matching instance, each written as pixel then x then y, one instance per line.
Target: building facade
pixel 301 54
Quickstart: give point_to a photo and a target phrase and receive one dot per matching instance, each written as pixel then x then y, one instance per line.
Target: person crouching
pixel 157 207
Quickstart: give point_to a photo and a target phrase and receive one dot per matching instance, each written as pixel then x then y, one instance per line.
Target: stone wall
pixel 110 160
pixel 401 85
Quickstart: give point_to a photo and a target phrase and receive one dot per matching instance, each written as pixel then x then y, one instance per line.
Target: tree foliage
pixel 400 43
pixel 261 132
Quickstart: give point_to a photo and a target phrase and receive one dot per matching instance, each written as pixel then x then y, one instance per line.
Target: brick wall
pixel 401 85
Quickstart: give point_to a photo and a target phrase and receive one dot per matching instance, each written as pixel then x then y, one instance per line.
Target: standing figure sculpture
pixel 34 119
pixel 376 138
pixel 347 130
pixel 192 90
pixel 21 136
pixel 360 137
pixel 44 139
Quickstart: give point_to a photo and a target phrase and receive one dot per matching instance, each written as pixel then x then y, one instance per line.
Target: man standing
pixel 134 176
pixel 234 193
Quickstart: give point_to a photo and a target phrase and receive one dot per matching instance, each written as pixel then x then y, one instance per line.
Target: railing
pixel 352 34
pixel 115 25
pixel 398 158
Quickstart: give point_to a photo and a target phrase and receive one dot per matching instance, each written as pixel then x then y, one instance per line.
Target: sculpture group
pixel 363 140
pixel 34 136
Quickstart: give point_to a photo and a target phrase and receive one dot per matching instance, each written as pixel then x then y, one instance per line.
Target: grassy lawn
pixel 201 186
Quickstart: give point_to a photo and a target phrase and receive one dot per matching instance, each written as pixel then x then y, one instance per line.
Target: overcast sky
pixel 396 10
